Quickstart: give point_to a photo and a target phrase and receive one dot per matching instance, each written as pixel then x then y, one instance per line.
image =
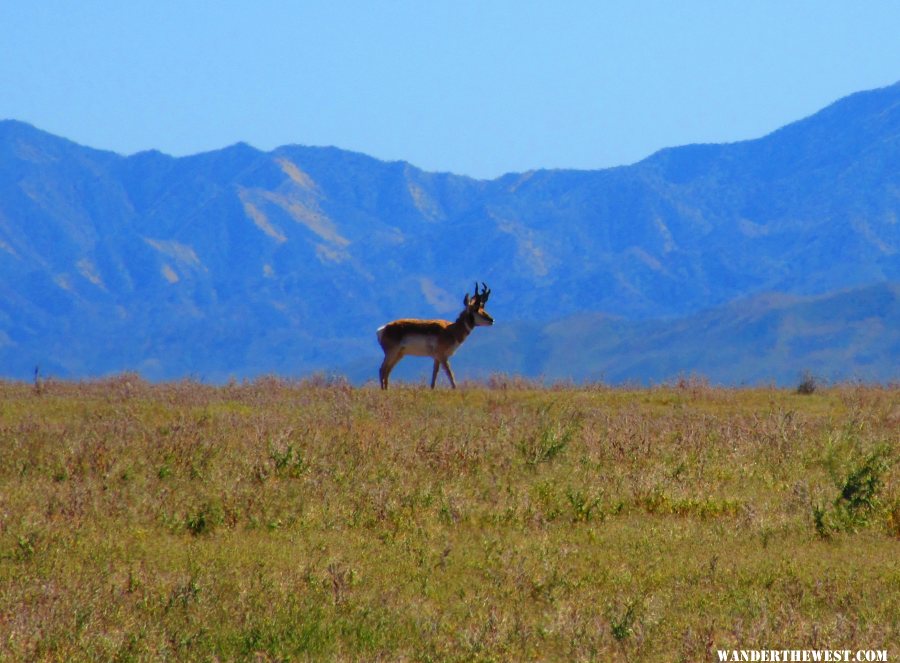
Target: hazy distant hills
pixel 747 262
pixel 763 339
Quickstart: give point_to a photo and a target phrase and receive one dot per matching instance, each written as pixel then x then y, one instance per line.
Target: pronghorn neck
pixel 462 327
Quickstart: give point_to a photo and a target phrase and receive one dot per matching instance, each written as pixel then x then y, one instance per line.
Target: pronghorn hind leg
pixel 381 377
pixel 434 372
pixel 386 367
pixel 446 364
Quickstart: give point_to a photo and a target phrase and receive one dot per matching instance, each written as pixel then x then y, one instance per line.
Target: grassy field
pixel 503 521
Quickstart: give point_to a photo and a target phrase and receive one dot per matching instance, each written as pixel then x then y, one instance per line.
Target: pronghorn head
pixel 475 306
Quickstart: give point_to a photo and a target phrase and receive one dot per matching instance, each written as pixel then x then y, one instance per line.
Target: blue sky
pixel 472 87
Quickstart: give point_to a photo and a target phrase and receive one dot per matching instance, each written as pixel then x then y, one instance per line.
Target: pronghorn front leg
pixel 446 364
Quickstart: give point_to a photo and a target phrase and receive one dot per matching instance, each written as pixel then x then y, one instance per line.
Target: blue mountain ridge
pixel 238 262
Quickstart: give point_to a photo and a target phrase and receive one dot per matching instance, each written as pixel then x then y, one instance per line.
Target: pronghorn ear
pixel 466 300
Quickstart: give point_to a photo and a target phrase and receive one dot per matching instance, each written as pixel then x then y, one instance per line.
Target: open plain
pixel 506 520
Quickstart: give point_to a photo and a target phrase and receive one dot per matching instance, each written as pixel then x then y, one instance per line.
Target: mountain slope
pixel 239 261
pixel 853 334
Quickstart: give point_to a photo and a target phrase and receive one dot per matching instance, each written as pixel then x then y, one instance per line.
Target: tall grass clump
pixel 858 502
pixel 808 384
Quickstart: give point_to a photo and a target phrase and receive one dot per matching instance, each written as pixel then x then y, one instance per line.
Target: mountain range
pixel 745 262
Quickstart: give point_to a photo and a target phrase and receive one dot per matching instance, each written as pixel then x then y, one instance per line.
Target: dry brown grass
pixel 278 520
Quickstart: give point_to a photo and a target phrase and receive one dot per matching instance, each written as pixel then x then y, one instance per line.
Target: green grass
pixel 312 520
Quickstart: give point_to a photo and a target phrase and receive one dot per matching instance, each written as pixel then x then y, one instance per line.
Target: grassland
pixel 291 521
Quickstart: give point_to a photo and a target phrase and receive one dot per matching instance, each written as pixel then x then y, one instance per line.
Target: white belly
pixel 420 345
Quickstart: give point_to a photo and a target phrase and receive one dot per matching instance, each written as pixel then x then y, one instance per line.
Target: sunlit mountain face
pixel 746 262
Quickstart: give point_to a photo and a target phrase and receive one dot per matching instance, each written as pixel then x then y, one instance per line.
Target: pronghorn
pixel 437 339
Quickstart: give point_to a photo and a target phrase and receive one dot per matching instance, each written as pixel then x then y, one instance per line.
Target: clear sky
pixel 476 87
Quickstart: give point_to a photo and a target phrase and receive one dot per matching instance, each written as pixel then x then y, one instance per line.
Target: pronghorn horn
pixel 485 293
